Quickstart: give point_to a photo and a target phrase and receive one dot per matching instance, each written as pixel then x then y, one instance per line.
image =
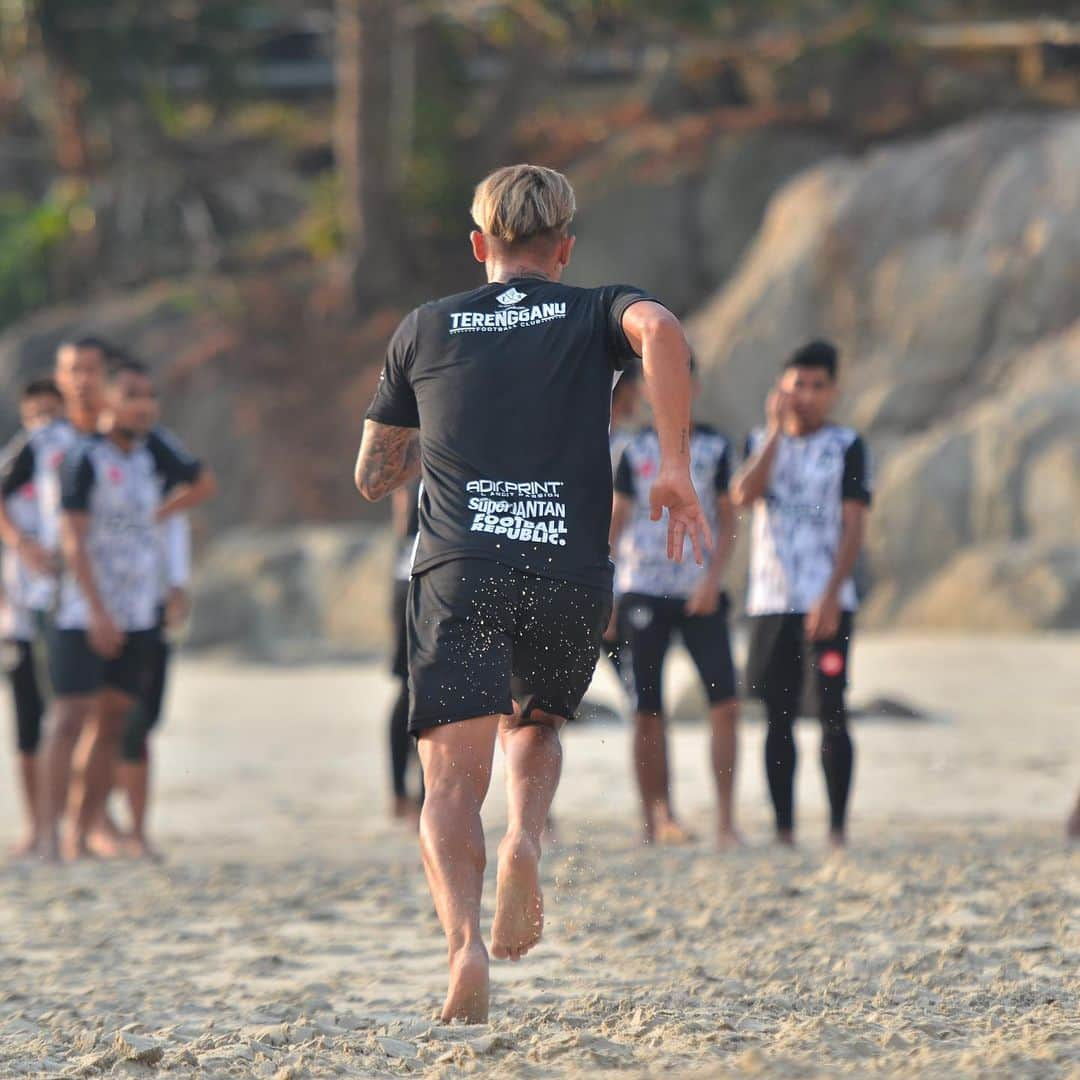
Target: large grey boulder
pixel 678 226
pixel 293 595
pixel 949 273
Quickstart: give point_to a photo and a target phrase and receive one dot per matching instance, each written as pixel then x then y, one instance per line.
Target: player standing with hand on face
pixel 808 481
pixel 501 398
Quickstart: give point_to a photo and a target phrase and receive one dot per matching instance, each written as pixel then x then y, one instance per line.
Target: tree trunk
pixel 364 149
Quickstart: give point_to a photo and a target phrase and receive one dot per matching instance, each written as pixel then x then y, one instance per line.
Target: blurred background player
pixel 808 482
pixel 625 407
pixel 659 598
pixel 406 522
pixel 27 594
pixel 133 770
pixel 113 499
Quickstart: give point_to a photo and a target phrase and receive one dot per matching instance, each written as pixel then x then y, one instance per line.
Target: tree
pixel 366 40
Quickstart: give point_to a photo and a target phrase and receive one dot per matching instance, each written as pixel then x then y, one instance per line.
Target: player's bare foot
pixel 838 839
pixel 672 833
pixel 138 847
pixel 728 840
pixel 785 837
pixel 519 903
pixel 27 848
pixel 467 997
pixel 103 844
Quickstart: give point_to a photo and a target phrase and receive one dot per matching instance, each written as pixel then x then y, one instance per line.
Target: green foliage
pixel 323 230
pixel 31 236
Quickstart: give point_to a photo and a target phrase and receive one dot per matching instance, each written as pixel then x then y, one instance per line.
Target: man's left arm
pixel 823 619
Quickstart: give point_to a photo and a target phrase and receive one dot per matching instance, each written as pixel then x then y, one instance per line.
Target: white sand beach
pixel 289 933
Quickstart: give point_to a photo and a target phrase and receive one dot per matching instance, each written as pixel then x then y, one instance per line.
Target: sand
pixel 289 934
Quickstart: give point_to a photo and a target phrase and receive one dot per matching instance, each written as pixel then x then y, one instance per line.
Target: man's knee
pixel 64 721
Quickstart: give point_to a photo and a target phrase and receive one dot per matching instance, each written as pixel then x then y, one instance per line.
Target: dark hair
pixel 126 364
pixel 88 342
pixel 39 388
pixel 815 354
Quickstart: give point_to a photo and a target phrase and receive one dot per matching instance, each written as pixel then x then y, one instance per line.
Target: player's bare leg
pixel 107 729
pixel 533 766
pixel 28 786
pixel 133 778
pixel 654 781
pixel 64 723
pixel 457 759
pixel 723 719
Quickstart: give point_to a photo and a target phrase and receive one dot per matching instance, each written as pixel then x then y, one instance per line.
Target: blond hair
pixel 519 203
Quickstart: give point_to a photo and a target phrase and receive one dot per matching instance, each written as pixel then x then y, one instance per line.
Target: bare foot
pixel 138 847
pixel 1072 826
pixel 48 849
pixel 27 848
pixel 728 840
pixel 785 837
pixel 467 997
pixel 103 844
pixel 519 903
pixel 670 833
pixel 837 839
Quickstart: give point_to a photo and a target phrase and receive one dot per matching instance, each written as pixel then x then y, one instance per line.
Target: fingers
pixel 676 539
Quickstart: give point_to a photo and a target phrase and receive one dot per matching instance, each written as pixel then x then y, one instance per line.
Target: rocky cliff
pixel 949 272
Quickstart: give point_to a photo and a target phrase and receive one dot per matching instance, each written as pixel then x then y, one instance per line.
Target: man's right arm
pixel 18 471
pixel 657 337
pixel 751 482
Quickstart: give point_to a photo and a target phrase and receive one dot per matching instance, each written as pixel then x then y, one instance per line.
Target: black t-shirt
pixel 510 385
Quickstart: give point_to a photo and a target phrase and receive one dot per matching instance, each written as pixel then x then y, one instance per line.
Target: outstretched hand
pixel 674 492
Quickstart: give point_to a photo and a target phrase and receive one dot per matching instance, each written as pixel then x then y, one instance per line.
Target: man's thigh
pixel 460 619
pixel 650 621
pixel 774 669
pixel 558 634
pixel 707 640
pixel 458 753
pixel 75 670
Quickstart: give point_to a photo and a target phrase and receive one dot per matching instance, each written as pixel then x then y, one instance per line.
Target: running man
pixel 27 595
pixel 809 483
pixel 117 487
pixel 510 387
pixel 659 598
pixel 406 510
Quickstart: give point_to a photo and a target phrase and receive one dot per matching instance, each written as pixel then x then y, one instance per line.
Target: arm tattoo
pixel 389 457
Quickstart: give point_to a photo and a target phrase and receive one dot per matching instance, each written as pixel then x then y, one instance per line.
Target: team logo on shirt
pixel 510 297
pixel 509 318
pixel 530 512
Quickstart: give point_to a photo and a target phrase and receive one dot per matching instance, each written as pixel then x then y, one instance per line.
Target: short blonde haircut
pixel 519 203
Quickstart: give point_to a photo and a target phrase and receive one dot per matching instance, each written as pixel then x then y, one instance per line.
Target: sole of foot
pixel 468 994
pixel 519 903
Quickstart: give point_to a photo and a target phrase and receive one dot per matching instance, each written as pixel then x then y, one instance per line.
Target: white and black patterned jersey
pixel 174 535
pixel 30 484
pixel 641 562
pixel 797 525
pixel 618 441
pixel 121 491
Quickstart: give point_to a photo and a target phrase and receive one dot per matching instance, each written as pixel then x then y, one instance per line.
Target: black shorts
pixel 650 621
pixel 780 653
pixel 76 670
pixel 399 605
pixel 483 635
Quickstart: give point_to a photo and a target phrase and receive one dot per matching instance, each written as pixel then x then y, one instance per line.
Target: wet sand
pixel 289 934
